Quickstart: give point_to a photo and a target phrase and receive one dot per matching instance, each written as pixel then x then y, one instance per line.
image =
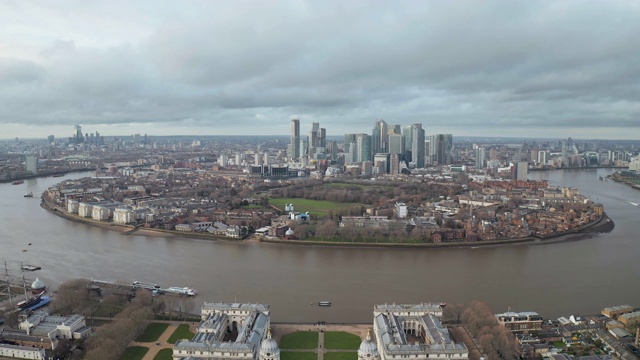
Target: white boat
pixel 324 303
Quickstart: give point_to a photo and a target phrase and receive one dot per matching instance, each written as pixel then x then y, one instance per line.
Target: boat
pixel 42 301
pixel 443 304
pixel 29 195
pixel 24 304
pixel 324 303
pixel 59 175
pixel 181 291
pixel 17 182
pixel 28 267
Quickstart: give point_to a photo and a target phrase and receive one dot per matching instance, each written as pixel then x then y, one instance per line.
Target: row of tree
pixel 495 340
pixel 111 339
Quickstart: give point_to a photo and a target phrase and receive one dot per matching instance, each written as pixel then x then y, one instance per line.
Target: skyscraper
pixel 380 137
pixel 441 147
pixel 396 144
pixel 407 133
pixel 417 145
pixel 294 146
pixel 363 150
pixel 31 164
pixel 480 157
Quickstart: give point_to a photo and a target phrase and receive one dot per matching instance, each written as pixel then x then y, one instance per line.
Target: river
pixel 553 279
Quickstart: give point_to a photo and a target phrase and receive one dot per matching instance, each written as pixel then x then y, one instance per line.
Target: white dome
pixel 289 232
pixel 368 348
pixel 269 348
pixel 38 285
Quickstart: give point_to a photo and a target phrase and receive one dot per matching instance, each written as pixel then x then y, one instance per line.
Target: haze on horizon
pixel 491 68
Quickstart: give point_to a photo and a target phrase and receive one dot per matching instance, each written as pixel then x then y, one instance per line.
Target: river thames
pixel 580 274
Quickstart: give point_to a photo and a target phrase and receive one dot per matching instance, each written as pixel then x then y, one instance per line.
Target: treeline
pixel 495 340
pixel 413 194
pixel 111 339
pixel 329 230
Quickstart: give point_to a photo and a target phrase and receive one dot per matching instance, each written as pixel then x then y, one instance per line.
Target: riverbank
pixel 604 224
pixel 630 184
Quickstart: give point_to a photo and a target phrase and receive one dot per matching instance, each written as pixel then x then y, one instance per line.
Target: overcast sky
pixel 503 68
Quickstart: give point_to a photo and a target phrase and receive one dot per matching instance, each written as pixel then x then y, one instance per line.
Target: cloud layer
pixel 501 67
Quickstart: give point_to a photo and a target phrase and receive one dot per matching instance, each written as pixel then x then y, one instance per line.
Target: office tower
pixel 363 148
pixel 395 129
pixel 238 159
pixel 417 145
pixel 396 144
pixel 348 139
pixel 441 148
pixel 480 157
pixel 521 170
pixel 317 140
pixel 380 137
pixel 332 150
pixel 381 161
pixel 407 133
pixel 51 139
pixel 77 137
pixel 294 146
pixel 266 158
pixel 31 164
pixel 394 164
pixel 222 160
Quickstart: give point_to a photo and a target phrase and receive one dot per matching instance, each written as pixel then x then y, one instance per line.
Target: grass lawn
pixel 288 355
pixel 341 355
pixel 152 332
pixel 134 353
pixel 164 354
pixel 559 344
pixel 300 340
pixel 341 340
pixel 182 332
pixel 318 208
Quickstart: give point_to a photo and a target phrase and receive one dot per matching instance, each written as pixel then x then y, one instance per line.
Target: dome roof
pixel 269 346
pixel 289 232
pixel 38 284
pixel 368 347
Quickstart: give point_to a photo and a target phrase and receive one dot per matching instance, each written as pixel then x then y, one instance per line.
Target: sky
pixel 470 68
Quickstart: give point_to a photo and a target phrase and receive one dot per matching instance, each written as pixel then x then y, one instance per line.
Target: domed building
pixel 38 287
pixel 269 349
pixel 368 349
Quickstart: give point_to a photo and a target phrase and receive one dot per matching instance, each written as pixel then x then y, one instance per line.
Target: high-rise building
pixel 480 157
pixel 407 133
pixel 380 137
pixel 363 150
pixel 31 164
pixel 77 137
pixel 394 164
pixel 441 148
pixel 542 157
pixel 417 145
pixel 294 146
pixel 332 150
pixel 317 140
pixel 381 162
pixel 521 170
pixel 396 144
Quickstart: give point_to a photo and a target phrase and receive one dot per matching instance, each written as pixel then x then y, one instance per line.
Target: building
pixel 230 331
pixel 520 321
pixel 480 157
pixel 521 170
pixel 380 137
pixel 31 164
pixel 417 145
pixel 21 352
pixel 441 147
pixel 630 319
pixel 412 331
pixel 401 210
pixel 363 148
pixel 615 311
pixel 294 145
pixel 368 349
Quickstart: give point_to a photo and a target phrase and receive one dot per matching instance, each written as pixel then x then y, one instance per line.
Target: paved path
pixel 153 347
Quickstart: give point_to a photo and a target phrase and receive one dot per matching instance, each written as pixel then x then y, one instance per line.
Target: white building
pixel 401 210
pixel 21 352
pixel 72 206
pixel 123 216
pixel 230 331
pixel 85 210
pixel 414 331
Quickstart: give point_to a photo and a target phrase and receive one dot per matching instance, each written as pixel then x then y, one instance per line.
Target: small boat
pixel 28 302
pixel 24 250
pixel 17 182
pixel 324 303
pixel 443 304
pixel 28 267
pixel 29 195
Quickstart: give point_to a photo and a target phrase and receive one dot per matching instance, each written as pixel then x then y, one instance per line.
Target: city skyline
pixel 499 69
